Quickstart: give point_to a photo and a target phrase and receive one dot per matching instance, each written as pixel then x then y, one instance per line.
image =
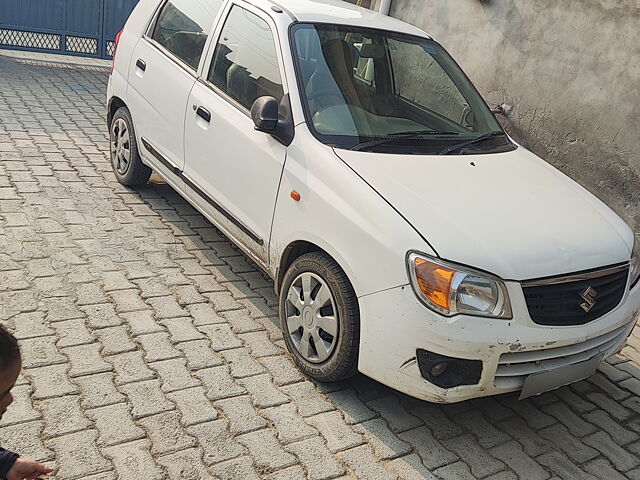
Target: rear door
pixel 235 168
pixel 162 73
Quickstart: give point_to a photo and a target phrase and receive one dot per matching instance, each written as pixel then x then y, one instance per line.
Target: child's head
pixel 10 364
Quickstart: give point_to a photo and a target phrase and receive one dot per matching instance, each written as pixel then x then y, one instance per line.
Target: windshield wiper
pixel 482 138
pixel 395 136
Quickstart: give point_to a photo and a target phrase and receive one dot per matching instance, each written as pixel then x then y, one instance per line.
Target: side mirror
pixel 264 113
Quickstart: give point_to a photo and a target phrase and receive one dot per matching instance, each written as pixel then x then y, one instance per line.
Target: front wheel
pixel 125 157
pixel 320 318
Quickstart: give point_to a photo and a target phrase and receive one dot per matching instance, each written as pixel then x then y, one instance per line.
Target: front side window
pixel 245 63
pixel 374 90
pixel 183 27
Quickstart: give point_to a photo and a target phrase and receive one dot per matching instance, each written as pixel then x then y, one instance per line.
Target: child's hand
pixel 27 469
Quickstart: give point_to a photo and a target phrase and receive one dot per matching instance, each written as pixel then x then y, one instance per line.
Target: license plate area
pixel 539 383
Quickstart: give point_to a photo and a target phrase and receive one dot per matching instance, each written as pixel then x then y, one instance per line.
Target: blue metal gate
pixel 72 27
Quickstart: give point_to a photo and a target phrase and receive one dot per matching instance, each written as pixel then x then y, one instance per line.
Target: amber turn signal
pixel 295 195
pixel 434 282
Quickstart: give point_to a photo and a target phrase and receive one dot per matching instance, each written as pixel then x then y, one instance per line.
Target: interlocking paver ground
pixel 151 352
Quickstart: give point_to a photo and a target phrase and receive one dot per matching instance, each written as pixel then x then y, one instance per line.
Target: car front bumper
pixel 395 325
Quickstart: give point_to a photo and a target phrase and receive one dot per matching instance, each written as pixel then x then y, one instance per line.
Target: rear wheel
pixel 320 318
pixel 125 157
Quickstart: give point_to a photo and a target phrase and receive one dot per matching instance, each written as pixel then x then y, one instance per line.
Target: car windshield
pixel 373 90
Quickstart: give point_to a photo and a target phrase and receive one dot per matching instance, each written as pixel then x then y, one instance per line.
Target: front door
pixel 236 168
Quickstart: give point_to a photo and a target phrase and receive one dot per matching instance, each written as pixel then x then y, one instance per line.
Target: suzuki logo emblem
pixel 589 297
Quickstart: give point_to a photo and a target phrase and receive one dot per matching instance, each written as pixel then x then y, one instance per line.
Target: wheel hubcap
pixel 312 319
pixel 120 146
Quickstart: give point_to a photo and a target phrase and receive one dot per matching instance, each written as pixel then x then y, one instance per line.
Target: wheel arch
pixel 114 104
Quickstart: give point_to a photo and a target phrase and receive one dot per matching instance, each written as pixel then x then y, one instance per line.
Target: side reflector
pixel 295 195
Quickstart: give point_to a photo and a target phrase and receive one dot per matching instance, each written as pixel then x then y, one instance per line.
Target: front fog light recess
pixel 451 289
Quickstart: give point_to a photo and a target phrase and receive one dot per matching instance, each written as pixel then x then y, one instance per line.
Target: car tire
pixel 314 291
pixel 125 156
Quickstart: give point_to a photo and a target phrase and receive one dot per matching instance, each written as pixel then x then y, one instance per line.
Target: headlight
pixel 635 263
pixel 451 289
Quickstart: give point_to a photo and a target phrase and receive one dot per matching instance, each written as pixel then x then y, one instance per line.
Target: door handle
pixel 204 114
pixel 141 64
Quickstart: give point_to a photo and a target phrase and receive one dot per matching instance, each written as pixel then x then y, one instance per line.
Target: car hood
pixel 510 214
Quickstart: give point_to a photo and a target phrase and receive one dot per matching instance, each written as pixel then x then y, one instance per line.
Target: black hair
pixel 9 349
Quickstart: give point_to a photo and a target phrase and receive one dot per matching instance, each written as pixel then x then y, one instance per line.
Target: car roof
pixel 342 13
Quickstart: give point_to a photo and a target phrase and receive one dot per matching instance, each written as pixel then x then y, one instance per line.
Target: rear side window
pixel 183 26
pixel 245 63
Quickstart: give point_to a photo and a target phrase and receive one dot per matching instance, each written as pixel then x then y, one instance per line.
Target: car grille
pixel 558 301
pixel 513 368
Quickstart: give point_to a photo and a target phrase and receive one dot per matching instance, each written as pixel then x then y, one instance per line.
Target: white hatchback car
pixel 347 154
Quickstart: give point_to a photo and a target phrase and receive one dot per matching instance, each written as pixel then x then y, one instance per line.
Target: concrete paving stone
pixel 206 283
pixel 258 308
pixel 101 315
pixel 191 266
pixel 134 461
pixel 457 471
pixel 115 340
pixel 51 381
pixel 21 410
pixel 337 433
pixel 632 403
pixel 288 424
pixel 317 459
pixel 260 344
pixel 185 465
pixel 219 383
pixel 14 280
pixel 433 453
pixel 182 329
pixel 218 444
pixel 620 435
pixel 282 369
pixel 578 403
pixel 237 468
pixel 619 457
pixel 514 456
pixel 265 394
pixel 241 321
pixel 409 467
pixel 364 464
pixel 492 409
pixel 379 436
pixel 353 409
pixel 241 414
pixel 291 473
pixel 221 336
pixel 90 294
pixel 612 373
pixel 70 333
pixel 40 352
pixel 631 384
pixel 86 360
pixel 200 355
pixel 222 301
pixel 62 415
pixel 174 375
pixel 272 326
pixel 474 455
pixel 612 407
pixel 141 322
pixel 146 398
pixel 157 347
pixel 166 307
pixel 166 433
pixel 241 362
pixel 532 443
pixel 115 424
pixel 488 436
pixel 151 287
pixel 564 468
pixel 26 438
pixel 608 387
pixel 31 325
pixel 397 416
pixel 128 300
pixel 115 281
pixel 194 406
pixel 267 454
pixel 535 418
pixel 573 422
pixel 77 455
pixel 602 469
pixel 204 314
pixel 568 443
pixel 130 367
